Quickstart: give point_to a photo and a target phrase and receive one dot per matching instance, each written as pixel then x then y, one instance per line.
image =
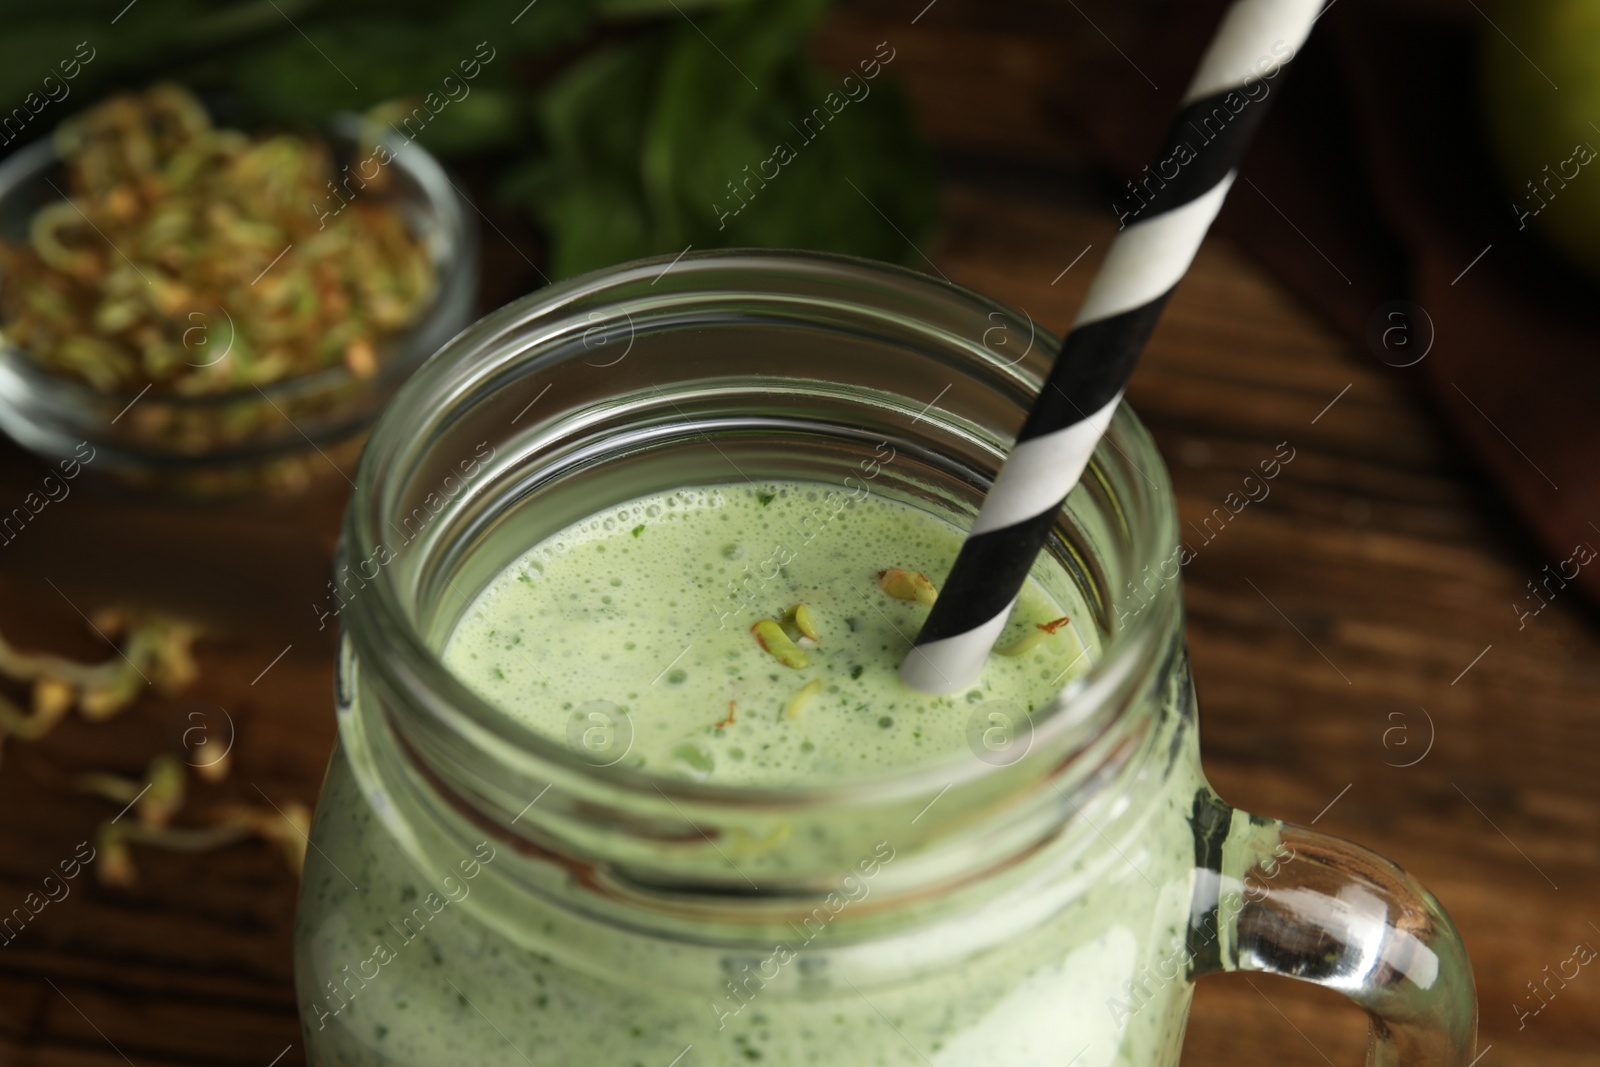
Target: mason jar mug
pixel 481 892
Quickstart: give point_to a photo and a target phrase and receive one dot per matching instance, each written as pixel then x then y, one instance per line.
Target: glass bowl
pixel 273 437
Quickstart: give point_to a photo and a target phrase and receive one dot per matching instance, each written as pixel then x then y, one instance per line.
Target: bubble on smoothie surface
pixel 662 605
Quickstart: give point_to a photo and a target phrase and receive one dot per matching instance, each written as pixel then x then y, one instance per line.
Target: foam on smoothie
pixel 638 622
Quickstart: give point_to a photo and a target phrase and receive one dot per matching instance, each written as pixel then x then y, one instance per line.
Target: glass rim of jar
pixel 410 666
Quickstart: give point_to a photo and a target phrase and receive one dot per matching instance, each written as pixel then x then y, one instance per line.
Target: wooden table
pixel 1355 621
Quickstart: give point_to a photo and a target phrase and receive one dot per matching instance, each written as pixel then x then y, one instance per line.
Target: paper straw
pixel 1165 213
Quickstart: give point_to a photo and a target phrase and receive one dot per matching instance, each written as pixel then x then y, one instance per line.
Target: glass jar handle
pixel 1288 900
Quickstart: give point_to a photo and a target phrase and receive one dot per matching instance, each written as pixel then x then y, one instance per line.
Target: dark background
pixel 1359 660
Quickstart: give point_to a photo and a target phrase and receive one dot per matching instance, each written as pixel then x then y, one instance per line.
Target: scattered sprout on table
pixel 156 647
pixel 155 800
pixel 230 824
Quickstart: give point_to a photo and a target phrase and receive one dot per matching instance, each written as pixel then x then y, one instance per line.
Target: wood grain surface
pixel 1359 660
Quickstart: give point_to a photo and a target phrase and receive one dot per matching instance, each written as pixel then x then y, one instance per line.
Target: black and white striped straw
pixel 1171 208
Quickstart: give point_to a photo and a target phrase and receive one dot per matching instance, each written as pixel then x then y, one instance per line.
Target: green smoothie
pixel 725 634
pixel 679 622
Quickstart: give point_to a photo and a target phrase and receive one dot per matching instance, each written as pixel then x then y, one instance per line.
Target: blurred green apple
pixel 1548 137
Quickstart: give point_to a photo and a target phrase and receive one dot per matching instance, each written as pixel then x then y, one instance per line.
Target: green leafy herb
pixel 622 127
pixel 663 143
